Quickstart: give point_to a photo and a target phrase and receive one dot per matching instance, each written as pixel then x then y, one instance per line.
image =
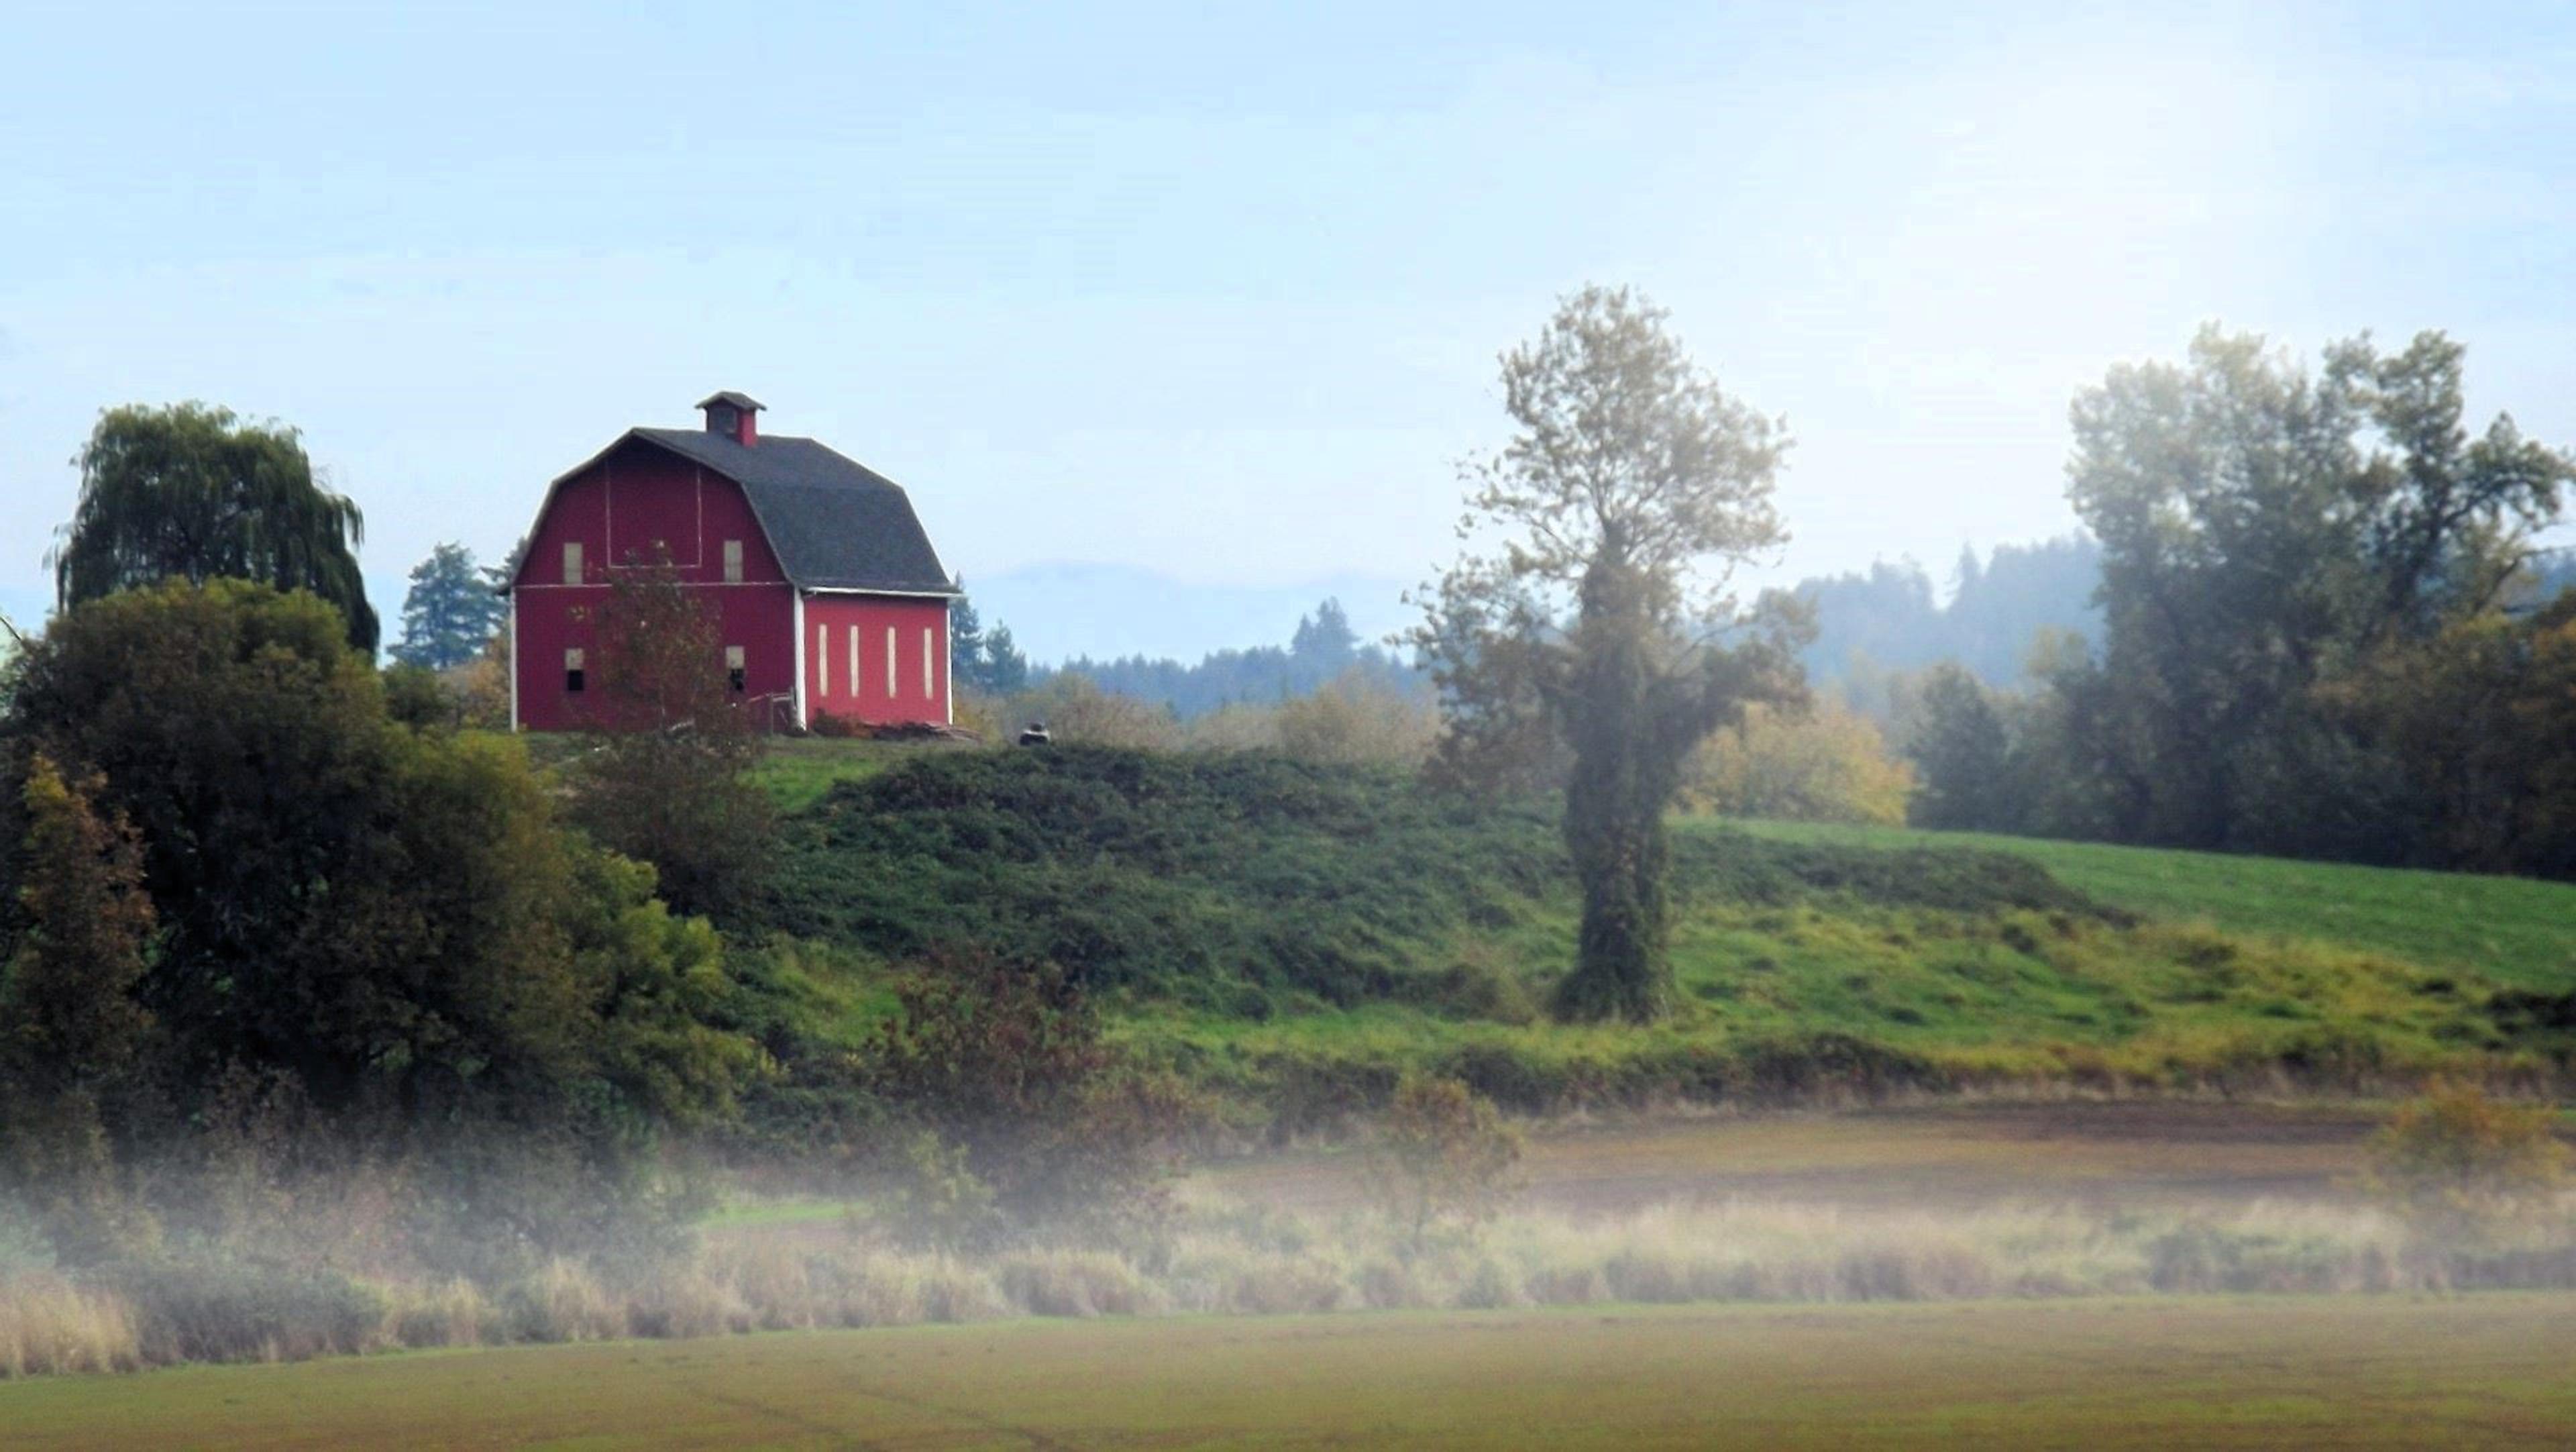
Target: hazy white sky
pixel 1219 296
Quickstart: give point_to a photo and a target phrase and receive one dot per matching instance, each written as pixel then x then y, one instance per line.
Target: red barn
pixel 828 592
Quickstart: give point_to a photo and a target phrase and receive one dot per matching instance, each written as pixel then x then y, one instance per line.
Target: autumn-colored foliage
pixel 2464 1165
pixel 1442 1155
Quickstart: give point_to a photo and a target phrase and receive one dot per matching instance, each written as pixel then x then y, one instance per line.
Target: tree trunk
pixel 1621 969
pixel 1614 810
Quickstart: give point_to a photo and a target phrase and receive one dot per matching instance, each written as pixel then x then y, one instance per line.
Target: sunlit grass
pixel 2514 930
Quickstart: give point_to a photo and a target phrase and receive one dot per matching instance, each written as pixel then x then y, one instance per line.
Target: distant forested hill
pixel 1325 647
pixel 1892 618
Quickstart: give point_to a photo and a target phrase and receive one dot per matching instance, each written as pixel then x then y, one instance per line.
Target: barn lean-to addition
pixel 826 590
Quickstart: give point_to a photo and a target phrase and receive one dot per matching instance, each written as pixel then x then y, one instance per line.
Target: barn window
pixel 573 675
pixel 854 660
pixel 734 668
pixel 733 562
pixel 891 688
pixel 572 562
pixel 929 664
pixel 823 660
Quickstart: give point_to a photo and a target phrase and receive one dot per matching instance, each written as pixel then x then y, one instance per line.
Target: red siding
pixel 641 501
pixel 829 621
pixel 634 500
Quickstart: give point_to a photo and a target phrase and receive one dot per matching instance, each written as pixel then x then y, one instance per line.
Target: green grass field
pixel 796 772
pixel 2513 929
pixel 2483 1371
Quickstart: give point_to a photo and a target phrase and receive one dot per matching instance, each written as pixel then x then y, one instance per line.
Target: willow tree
pixel 191 492
pixel 1595 604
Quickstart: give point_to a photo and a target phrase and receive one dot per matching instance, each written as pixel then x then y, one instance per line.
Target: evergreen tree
pixel 965 642
pixel 451 612
pixel 1964 754
pixel 1325 639
pixel 1005 667
pixel 980 658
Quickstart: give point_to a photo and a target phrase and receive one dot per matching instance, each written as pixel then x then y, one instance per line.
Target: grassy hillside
pixel 2512 929
pixel 1299 934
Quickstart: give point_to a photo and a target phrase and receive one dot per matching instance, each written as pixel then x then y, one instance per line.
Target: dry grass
pixel 1230 1259
pixel 48 1325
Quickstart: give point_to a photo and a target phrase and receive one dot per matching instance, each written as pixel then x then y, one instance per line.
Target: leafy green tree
pixel 667 777
pixel 72 1035
pixel 191 492
pixel 393 921
pixel 1597 612
pixel 450 613
pixel 2262 527
pixel 2478 725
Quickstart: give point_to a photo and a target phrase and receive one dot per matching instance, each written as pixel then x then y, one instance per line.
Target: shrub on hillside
pixel 1821 764
pixel 1025 1117
pixel 1079 713
pixel 1441 1156
pixel 1353 720
pixel 2463 1166
pixel 1241 882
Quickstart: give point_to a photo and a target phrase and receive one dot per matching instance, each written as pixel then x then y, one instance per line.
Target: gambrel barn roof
pixel 834 523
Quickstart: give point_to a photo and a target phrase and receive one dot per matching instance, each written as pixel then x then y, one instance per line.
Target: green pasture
pixel 2478 1371
pixel 2515 930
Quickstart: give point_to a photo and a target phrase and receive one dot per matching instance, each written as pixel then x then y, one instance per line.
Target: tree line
pixel 2328 629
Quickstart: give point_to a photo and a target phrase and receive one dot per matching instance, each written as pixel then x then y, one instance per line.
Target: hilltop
pixel 1293 935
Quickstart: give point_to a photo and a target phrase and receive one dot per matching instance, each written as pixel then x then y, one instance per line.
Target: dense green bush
pixel 1187 876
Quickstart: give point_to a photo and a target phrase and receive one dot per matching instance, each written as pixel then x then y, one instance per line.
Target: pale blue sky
pixel 1215 291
